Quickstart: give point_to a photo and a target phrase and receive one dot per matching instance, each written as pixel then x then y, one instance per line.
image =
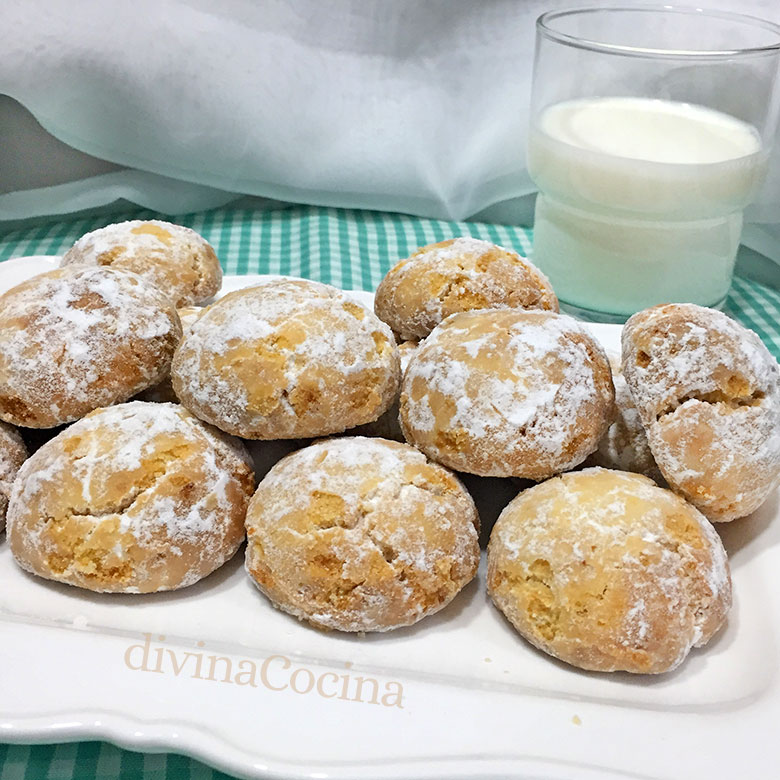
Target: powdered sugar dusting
pixel 150 477
pixel 619 543
pixel 175 258
pixel 390 529
pixel 459 274
pixel 708 395
pixel 515 382
pixel 78 338
pixel 725 460
pixel 132 240
pixel 302 339
pixel 692 351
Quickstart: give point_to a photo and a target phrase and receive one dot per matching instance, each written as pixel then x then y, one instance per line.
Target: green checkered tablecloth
pixel 350 249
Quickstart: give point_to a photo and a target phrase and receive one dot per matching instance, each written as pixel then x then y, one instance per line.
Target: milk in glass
pixel 640 200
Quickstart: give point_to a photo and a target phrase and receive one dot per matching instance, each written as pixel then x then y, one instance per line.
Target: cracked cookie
pixel 507 393
pixel 359 534
pixel 176 259
pixel 75 339
pixel 12 454
pixel 459 274
pixel 287 359
pixel 134 498
pixel 708 395
pixel 606 571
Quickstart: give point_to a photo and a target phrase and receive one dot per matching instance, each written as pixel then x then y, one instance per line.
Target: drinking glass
pixel 650 132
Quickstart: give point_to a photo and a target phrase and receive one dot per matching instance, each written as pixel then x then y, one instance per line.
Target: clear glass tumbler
pixel 650 132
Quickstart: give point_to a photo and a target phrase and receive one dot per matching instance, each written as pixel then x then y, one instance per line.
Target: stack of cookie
pixel 466 365
pixel 601 568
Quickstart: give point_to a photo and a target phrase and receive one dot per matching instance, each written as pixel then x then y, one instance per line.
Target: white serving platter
pixel 459 695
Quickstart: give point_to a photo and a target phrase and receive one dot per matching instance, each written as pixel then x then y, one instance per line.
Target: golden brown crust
pixel 607 571
pixel 177 260
pixel 361 534
pixel 135 498
pixel 78 338
pixel 459 274
pixel 505 392
pixel 708 395
pixel 287 359
pixel 13 453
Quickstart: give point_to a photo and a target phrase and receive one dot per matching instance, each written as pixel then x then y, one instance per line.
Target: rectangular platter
pixel 215 672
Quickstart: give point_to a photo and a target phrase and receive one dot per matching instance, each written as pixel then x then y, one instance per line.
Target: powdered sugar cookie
pixel 708 394
pixel 503 392
pixel 75 339
pixel 459 274
pixel 135 498
pixel 361 534
pixel 607 571
pixel 176 259
pixel 287 359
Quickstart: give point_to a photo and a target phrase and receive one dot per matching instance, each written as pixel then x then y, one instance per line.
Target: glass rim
pixel 543 28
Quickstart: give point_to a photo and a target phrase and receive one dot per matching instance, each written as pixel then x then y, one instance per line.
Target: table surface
pixel 347 248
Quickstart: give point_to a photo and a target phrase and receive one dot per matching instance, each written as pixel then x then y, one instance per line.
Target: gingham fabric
pixel 97 761
pixel 350 249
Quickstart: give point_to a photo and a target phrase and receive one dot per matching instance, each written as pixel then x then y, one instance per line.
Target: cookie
pixel 359 534
pixel 135 498
pixel 75 339
pixel 504 392
pixel 287 359
pixel 606 571
pixel 176 259
pixel 459 274
pixel 708 395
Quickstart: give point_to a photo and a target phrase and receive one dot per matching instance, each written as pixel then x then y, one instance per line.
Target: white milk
pixel 640 200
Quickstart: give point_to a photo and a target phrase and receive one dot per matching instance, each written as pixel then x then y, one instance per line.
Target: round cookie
pixel 360 534
pixel 163 391
pixel 287 359
pixel 608 572
pixel 459 274
pixel 75 339
pixel 12 454
pixel 504 392
pixel 708 395
pixel 174 258
pixel 135 498
pixel 624 446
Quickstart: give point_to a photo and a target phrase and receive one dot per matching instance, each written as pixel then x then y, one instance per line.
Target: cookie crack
pixel 715 398
pixel 387 551
pixel 139 489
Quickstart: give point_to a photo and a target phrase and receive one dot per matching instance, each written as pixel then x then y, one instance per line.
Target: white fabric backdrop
pixel 417 106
